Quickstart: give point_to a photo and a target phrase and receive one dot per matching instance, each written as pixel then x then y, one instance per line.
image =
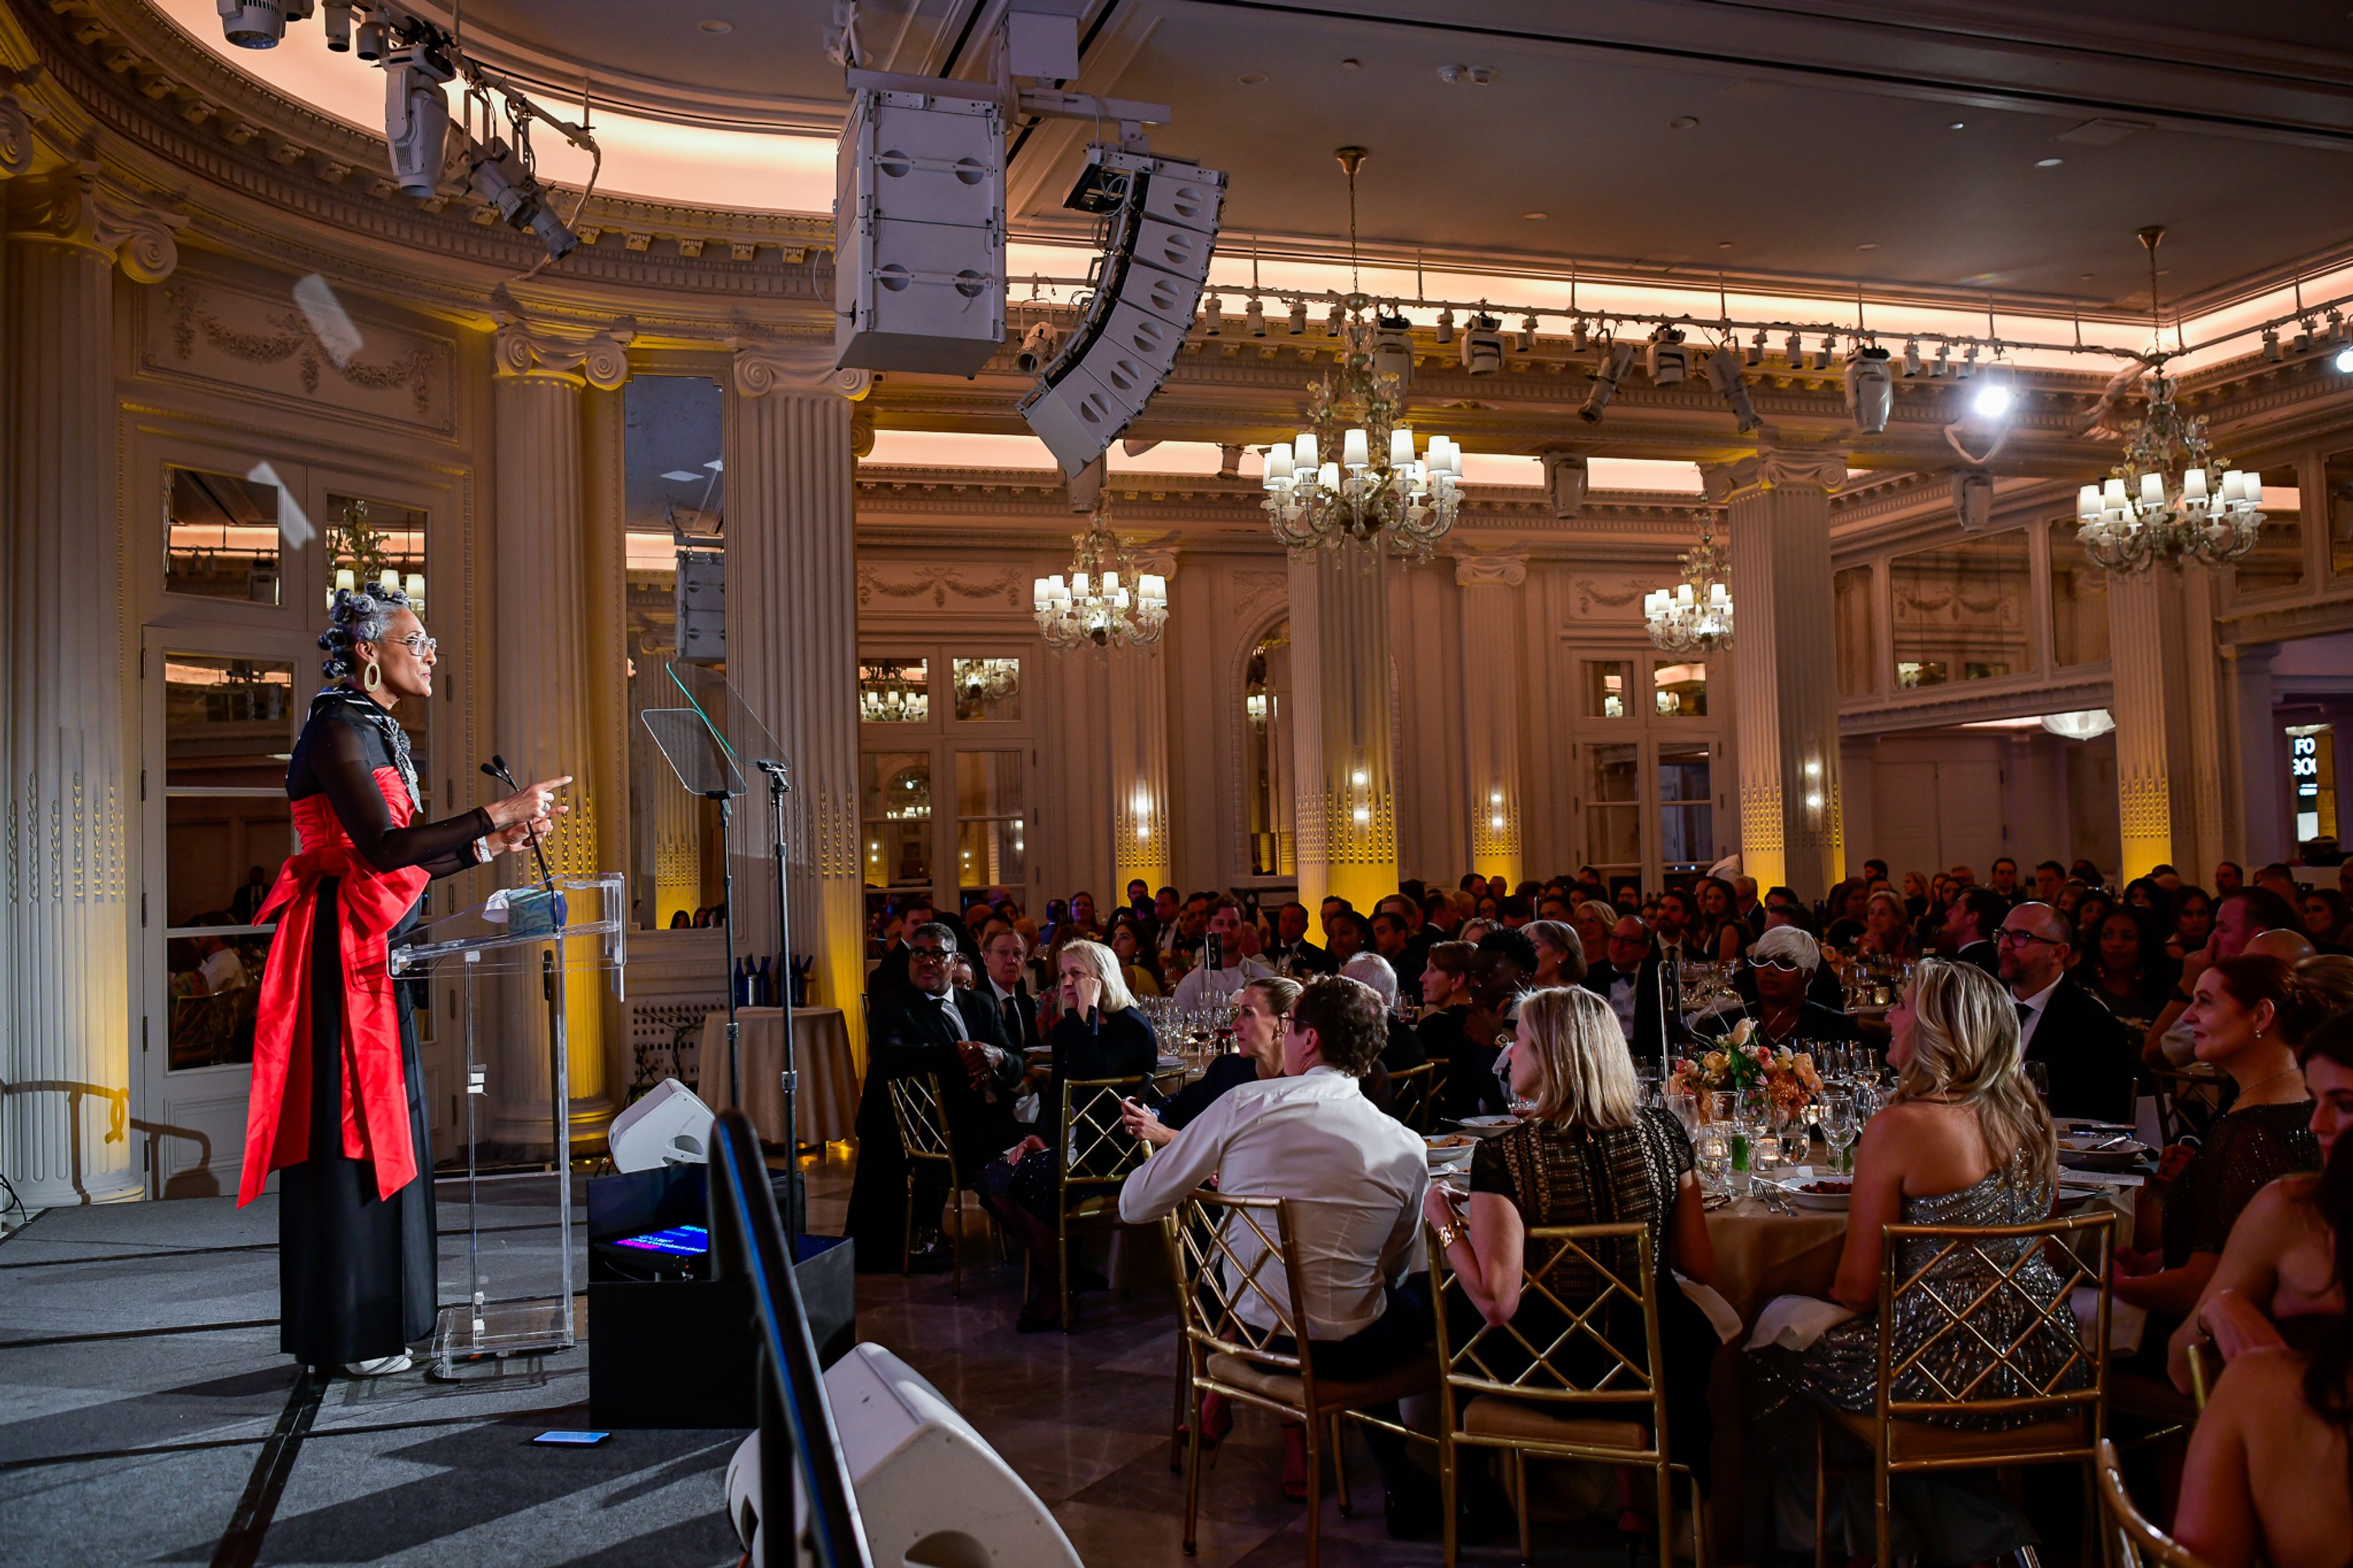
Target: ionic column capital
pixel 1490 571
pixel 73 209
pixel 601 360
pixel 1775 467
pixel 17 116
pixel 800 365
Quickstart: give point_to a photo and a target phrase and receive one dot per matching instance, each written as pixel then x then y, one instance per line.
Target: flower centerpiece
pixel 1743 1064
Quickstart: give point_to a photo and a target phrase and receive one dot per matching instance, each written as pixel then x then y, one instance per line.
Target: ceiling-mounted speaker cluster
pixel 1160 229
pixel 919 233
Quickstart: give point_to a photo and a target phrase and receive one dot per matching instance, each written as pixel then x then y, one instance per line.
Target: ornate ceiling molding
pixel 74 209
pixel 1490 571
pixel 1957 705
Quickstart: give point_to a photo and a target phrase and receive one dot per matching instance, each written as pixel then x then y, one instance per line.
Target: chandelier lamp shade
pixel 1355 474
pixel 2170 500
pixel 1104 600
pixel 1695 615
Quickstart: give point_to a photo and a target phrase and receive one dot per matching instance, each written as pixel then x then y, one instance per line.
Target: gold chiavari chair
pixel 1234 1259
pixel 2136 1542
pixel 2186 1103
pixel 921 1115
pixel 1435 1094
pixel 1097 1155
pixel 1410 1095
pixel 2061 1425
pixel 1581 1394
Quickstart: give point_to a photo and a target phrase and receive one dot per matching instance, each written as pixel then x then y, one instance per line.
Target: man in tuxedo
pixel 1291 952
pixel 1969 925
pixel 930 1027
pixel 889 981
pixel 2005 881
pixel 1628 978
pixel 1007 992
pixel 2090 1058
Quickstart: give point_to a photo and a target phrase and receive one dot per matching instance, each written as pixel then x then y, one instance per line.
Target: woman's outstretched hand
pixel 533 803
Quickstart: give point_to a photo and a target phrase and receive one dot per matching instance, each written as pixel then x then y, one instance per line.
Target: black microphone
pixel 497 768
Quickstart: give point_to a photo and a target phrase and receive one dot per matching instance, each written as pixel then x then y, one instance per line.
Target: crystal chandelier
pixel 987 680
pixel 885 696
pixel 2165 502
pixel 1353 474
pixel 1095 604
pixel 1695 615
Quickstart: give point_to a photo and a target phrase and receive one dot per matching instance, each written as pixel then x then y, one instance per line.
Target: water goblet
pixel 1839 1119
pixel 1713 1155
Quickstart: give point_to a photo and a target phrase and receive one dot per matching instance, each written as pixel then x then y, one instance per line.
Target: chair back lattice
pixel 920 1114
pixel 1435 1092
pixel 1558 1347
pixel 1410 1094
pixel 1166 1081
pixel 2138 1542
pixel 1989 1319
pixel 1234 1265
pixel 1096 1150
pixel 2187 1103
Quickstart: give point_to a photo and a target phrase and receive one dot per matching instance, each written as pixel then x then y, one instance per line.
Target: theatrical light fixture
pixel 1821 360
pixel 1298 318
pixel 2270 349
pixel 1095 606
pixel 1254 317
pixel 1968 366
pixel 1665 358
pixel 1393 348
pixel 260 23
pixel 1446 325
pixel 1578 335
pixel 1527 344
pixel 1942 362
pixel 416 115
pixel 1213 317
pixel 337 20
pixel 1037 348
pixel 1756 354
pixel 1794 350
pixel 501 177
pixel 1911 357
pixel 1336 319
pixel 1992 400
pixel 1617 360
pixel 2344 362
pixel 1723 374
pixel 1869 395
pixel 1483 345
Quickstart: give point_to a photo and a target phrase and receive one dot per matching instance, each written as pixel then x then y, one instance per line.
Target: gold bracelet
pixel 1447 1236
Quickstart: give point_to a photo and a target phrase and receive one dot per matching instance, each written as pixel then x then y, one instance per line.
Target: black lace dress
pixel 357 1270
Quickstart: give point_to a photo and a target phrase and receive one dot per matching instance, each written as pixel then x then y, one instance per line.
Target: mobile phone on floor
pixel 570 1439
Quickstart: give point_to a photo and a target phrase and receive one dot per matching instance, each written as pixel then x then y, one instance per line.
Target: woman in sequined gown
pixel 1965 1142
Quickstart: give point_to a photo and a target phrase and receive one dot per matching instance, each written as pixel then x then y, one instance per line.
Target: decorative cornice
pixel 1775 467
pixel 802 366
pixel 1490 571
pixel 602 361
pixel 2016 698
pixel 73 209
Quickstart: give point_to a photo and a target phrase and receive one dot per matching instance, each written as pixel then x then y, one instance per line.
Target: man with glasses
pixel 1627 977
pixel 930 1028
pixel 2088 1055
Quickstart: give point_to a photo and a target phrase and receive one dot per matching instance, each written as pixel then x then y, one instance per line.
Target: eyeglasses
pixel 2015 937
pixel 1785 965
pixel 928 955
pixel 417 643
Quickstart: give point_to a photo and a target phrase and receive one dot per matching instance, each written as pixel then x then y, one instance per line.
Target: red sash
pixel 376 1090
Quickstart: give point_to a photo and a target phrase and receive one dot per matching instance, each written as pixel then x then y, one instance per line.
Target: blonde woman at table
pixel 1587 1154
pixel 1965 1142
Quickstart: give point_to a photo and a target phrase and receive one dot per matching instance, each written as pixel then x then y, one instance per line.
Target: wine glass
pixel 1797 1137
pixel 1684 1107
pixel 2039 1075
pixel 1713 1155
pixel 1839 1123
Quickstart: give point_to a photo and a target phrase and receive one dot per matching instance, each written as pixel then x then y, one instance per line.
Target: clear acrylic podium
pixel 519 1299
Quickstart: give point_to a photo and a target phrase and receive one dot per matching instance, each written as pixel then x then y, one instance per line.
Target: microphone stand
pixel 779 785
pixel 727 911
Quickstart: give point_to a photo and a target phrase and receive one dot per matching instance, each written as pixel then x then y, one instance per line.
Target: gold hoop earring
pixel 372 676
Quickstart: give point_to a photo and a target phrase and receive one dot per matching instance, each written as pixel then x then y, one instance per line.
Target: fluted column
pixel 792 642
pixel 545 687
pixel 65 969
pixel 2266 831
pixel 1492 715
pixel 1139 756
pixel 1785 665
pixel 2162 649
pixel 1343 753
pixel 669 820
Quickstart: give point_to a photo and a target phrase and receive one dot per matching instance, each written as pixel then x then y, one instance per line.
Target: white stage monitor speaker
pixel 669 1126
pixel 919 233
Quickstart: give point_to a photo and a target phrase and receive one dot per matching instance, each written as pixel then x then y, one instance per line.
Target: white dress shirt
pixel 2035 1005
pixel 1355 1178
pixel 1202 986
pixel 1622 1003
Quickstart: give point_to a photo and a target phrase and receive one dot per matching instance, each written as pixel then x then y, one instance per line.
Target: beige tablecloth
pixel 828 1102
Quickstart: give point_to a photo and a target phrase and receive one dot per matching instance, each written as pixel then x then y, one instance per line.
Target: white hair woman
pixel 1099 1034
pixel 338 1097
pixel 1966 1141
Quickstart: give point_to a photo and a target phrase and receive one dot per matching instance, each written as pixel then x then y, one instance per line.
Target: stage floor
pixel 144 1408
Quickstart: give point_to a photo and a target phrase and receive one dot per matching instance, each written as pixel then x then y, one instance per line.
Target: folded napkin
pixel 1795 1323
pixel 1720 1315
pixel 2126 1322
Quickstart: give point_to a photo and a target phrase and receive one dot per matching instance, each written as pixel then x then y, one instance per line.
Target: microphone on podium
pixel 497 768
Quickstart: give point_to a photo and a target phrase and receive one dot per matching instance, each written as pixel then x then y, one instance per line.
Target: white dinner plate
pixel 2122 1157
pixel 1826 1203
pixel 1488 1126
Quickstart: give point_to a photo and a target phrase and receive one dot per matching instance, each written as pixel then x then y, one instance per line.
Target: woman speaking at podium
pixel 338 1103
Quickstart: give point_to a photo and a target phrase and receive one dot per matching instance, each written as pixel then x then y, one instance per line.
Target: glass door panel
pixel 896 812
pixel 992 836
pixel 1613 823
pixel 1686 808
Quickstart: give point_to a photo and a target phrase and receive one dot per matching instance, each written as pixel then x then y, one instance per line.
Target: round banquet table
pixel 828 1102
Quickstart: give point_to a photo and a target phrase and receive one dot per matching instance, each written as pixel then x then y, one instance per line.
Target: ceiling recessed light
pixel 1868 244
pixel 1253 78
pixel 1535 218
pixel 1956 125
pixel 2048 162
pixel 715 25
pixel 1682 123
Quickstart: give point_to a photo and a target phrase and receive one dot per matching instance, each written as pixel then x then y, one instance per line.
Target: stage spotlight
pixel 2343 360
pixel 338 20
pixel 1665 358
pixel 2271 345
pixel 1037 348
pixel 1968 366
pixel 1393 347
pixel 1993 398
pixel 1336 319
pixel 1943 362
pixel 1254 317
pixel 497 176
pixel 1299 318
pixel 1911 357
pixel 1723 374
pixel 1446 325
pixel 1527 335
pixel 1579 335
pixel 1869 394
pixel 1483 345
pixel 416 116
pixel 368 42
pixel 1213 317
pixel 260 23
pixel 1821 360
pixel 1757 348
pixel 2303 341
pixel 1794 350
pixel 1617 360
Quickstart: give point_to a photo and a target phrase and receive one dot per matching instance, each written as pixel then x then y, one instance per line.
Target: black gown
pixel 357 1273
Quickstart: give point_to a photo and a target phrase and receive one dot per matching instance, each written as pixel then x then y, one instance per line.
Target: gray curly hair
pixel 360 614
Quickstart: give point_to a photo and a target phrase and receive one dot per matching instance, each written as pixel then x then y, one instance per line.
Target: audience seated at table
pixel 2248 1017
pixel 1204 985
pixel 2267 1481
pixel 2090 1058
pixel 2241 918
pixel 1445 999
pixel 1966 1141
pixel 2276 1282
pixel 2126 970
pixel 1355 1179
pixel 928 1026
pixel 1499 970
pixel 1262 1006
pixel 1560 953
pixel 1782 966
pixel 1887 931
pixel 1403 1046
pixel 1587 1153
pixel 1100 1033
pixel 1137 956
